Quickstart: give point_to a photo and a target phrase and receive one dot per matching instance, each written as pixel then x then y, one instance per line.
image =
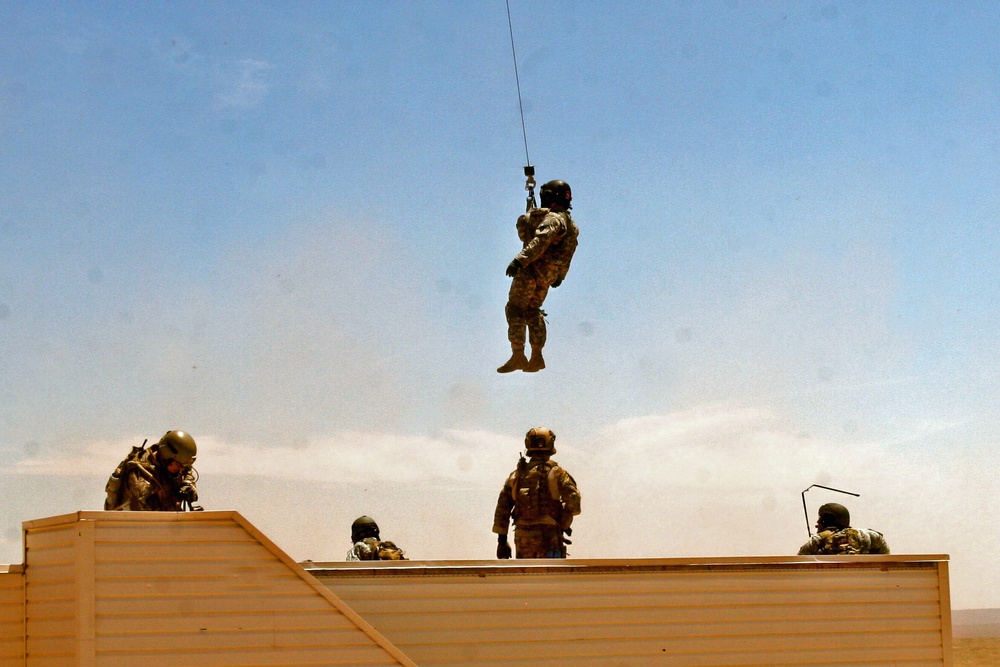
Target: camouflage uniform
pixel 542 499
pixel 845 541
pixel 371 548
pixel 142 482
pixel 550 239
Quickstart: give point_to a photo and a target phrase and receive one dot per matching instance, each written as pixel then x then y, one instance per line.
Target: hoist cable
pixel 517 80
pixel 828 488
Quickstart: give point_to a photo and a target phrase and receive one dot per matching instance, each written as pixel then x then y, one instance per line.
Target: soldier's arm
pixel 564 269
pixel 188 489
pixel 137 491
pixel 562 273
pixel 547 232
pixel 569 496
pixel 879 545
pixel 505 505
pixel 810 548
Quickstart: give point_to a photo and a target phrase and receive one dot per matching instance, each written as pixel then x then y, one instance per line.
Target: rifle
pixel 191 507
pixel 806 509
pixel 522 467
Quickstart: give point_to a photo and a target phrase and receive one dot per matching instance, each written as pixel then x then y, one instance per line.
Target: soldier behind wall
pixel 542 500
pixel 837 538
pixel 161 478
pixel 368 545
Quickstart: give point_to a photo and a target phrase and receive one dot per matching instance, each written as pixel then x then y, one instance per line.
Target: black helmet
pixel 177 446
pixel 556 192
pixel 363 526
pixel 834 515
pixel 540 440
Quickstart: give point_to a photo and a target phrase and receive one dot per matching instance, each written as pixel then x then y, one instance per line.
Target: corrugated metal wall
pixel 164 589
pixel 11 616
pixel 769 611
pixel 50 596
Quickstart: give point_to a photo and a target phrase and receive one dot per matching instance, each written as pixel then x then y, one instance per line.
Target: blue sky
pixel 284 229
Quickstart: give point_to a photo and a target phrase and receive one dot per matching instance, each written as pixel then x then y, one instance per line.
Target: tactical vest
pixel 536 495
pixel 844 542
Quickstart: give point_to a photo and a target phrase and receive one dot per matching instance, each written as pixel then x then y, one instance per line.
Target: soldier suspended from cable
pixel 549 238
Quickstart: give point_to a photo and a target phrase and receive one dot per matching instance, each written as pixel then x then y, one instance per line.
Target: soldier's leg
pixel 554 547
pixel 537 333
pixel 529 543
pixel 516 324
pixel 521 289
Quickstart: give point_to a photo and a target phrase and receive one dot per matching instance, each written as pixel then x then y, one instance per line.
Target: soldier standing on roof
pixel 837 538
pixel 549 236
pixel 159 478
pixel 542 499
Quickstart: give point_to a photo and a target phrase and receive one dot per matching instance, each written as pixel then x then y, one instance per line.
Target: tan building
pixel 173 589
pixel 733 611
pixel 207 588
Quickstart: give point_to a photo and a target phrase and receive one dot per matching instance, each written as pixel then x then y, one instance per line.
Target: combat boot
pixel 536 363
pixel 517 361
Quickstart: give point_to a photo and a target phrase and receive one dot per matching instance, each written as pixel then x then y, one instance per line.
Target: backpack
pixel 114 485
pixel 536 493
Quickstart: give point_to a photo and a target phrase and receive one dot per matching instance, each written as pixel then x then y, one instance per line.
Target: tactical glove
pixel 188 493
pixel 503 547
pixel 557 283
pixel 513 268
